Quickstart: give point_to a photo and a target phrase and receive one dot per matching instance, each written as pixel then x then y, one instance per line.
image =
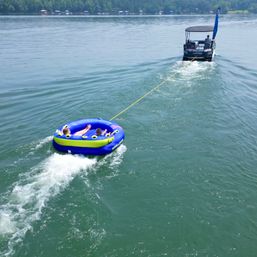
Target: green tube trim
pixel 83 143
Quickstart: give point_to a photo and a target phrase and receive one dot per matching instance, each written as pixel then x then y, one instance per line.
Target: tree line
pixel 125 6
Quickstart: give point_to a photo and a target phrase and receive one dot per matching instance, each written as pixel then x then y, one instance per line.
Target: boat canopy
pixel 200 29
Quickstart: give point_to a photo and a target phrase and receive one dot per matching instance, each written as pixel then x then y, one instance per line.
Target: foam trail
pixel 44 141
pixel 39 144
pixel 32 148
pixel 30 195
pixel 114 159
pixel 117 156
pixel 6 226
pixel 190 70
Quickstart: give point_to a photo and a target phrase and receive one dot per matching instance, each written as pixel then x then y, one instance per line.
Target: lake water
pixel 184 183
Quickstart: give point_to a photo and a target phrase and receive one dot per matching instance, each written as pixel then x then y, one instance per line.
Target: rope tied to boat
pixel 145 95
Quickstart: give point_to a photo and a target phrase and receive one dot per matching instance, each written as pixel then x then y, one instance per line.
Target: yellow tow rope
pixel 142 97
pixel 139 99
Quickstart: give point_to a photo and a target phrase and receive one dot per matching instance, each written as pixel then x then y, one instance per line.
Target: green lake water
pixel 184 183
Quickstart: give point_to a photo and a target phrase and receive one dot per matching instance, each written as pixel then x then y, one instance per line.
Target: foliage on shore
pixel 125 6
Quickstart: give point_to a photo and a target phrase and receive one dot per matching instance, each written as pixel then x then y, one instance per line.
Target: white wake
pixel 30 195
pixel 23 204
pixel 190 70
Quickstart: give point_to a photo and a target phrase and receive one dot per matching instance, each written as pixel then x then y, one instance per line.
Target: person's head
pixel 66 130
pixel 98 132
pixel 208 36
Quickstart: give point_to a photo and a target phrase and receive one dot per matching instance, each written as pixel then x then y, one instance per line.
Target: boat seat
pixel 190 45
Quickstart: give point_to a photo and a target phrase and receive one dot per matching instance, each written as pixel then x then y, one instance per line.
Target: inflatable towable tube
pixel 89 143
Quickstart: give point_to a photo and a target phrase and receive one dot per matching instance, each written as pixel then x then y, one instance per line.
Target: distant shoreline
pixel 127 15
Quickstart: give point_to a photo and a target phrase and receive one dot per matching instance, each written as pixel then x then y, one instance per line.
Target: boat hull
pixel 198 56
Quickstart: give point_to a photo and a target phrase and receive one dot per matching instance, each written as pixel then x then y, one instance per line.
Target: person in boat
pixel 207 42
pixel 66 130
pixel 99 132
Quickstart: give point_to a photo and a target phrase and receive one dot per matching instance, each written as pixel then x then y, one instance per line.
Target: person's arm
pixel 83 131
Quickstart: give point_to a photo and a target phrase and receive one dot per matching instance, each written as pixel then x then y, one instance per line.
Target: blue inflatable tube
pixel 90 143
